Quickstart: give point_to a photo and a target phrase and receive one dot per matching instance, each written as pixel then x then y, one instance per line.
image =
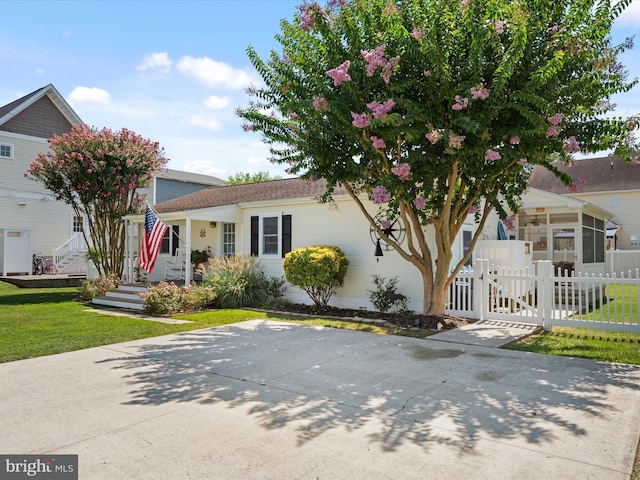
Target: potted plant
pixel 200 256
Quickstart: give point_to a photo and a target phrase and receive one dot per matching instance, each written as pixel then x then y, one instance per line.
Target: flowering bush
pixel 100 172
pixel 98 287
pixel 168 298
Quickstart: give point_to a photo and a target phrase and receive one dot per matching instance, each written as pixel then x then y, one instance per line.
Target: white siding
pixel 25 204
pixel 342 224
pixel 627 213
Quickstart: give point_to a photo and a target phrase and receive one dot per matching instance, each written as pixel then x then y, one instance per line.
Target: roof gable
pixel 41 113
pixel 602 174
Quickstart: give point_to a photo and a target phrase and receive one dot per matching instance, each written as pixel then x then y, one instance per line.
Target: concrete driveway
pixel 268 400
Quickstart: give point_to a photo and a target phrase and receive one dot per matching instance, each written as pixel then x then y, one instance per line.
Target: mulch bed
pixel 426 322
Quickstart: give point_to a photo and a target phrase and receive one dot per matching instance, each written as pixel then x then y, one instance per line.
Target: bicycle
pixel 40 266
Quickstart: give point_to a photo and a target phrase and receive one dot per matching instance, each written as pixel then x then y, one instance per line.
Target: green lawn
pixel 43 321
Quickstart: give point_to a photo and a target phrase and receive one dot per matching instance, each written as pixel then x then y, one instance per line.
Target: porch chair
pixel 176 266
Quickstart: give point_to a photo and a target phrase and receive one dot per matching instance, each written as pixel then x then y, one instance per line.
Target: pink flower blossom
pixel 385 224
pixel 427 73
pixel 510 222
pixel 321 104
pixel 515 140
pixel 292 115
pixel 455 141
pixel 499 26
pixel 473 209
pixel 492 155
pixel 420 202
pixel 377 142
pixel 523 161
pixel 375 58
pixel 571 145
pixel 433 136
pixel 402 170
pixel 479 92
pixel 417 33
pixel 380 110
pixel 380 195
pixel 339 74
pixel 552 131
pixel 460 103
pixel 577 183
pixel 361 120
pixel 555 119
pixel 554 29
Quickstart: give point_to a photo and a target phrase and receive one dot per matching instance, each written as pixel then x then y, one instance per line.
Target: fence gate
pixel 511 295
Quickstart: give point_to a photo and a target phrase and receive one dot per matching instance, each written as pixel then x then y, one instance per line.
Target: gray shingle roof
pixel 16 103
pixel 603 174
pixel 250 192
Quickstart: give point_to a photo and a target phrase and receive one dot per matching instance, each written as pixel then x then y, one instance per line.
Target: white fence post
pixel 481 287
pixel 546 292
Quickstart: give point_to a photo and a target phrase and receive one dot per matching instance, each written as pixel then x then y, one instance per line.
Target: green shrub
pixel 98 287
pixel 385 295
pixel 318 270
pixel 167 298
pixel 238 281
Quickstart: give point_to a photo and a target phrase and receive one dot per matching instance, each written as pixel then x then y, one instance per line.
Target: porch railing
pixel 71 252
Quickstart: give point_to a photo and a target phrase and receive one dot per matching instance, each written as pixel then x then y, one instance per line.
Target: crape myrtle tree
pixel 99 173
pixel 439 109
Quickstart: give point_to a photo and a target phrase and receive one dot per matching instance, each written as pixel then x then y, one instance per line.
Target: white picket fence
pixel 547 298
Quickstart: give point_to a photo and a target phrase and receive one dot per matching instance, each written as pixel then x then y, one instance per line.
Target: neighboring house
pixel 169 184
pixel 30 217
pixel 31 220
pixel 609 183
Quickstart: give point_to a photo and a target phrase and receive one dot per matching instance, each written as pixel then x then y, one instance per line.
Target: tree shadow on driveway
pixel 395 390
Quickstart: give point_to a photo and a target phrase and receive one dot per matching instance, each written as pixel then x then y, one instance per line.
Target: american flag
pixel 154 230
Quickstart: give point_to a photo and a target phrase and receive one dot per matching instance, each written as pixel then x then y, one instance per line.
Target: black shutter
pixel 175 232
pixel 255 234
pixel 286 234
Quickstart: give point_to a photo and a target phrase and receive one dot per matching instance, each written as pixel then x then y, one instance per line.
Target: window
pixel 270 235
pixel 467 235
pixel 170 240
pixel 615 201
pixel 593 236
pixel 634 241
pixel 77 224
pixel 6 150
pixel 228 239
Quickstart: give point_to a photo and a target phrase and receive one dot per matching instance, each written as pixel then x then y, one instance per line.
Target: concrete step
pixel 119 303
pixel 126 296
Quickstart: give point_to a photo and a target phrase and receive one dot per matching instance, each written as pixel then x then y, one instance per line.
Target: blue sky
pixel 171 71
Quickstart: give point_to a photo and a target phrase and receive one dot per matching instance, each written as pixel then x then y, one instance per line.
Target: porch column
pixel 187 267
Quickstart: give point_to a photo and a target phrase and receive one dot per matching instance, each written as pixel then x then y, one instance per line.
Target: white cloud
pixel 40 71
pixel 257 144
pixel 214 74
pixel 210 123
pixel 259 162
pixel 631 15
pixel 66 33
pixel 89 95
pixel 159 61
pixel 216 103
pixel 206 167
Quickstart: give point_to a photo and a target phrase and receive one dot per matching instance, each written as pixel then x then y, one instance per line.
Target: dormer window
pixel 6 150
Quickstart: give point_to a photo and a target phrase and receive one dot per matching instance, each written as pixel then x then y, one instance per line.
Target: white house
pixel 268 219
pixel 31 219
